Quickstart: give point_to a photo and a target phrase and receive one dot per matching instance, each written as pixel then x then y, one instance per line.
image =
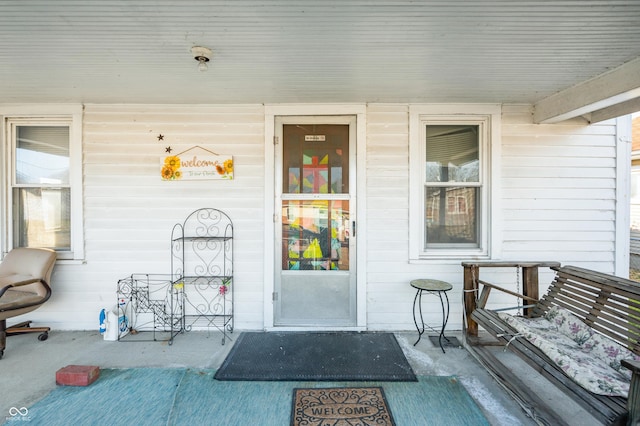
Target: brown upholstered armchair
pixel 24 286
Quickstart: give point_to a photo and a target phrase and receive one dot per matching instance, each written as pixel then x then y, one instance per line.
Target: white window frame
pixel 57 115
pixel 487 118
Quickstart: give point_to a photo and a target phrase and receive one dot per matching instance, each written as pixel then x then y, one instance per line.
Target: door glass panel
pixel 316 158
pixel 315 235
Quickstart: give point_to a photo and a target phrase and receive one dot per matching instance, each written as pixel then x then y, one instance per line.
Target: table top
pixel 431 285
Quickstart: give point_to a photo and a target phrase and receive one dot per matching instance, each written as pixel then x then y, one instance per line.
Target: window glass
pixel 452 208
pixel 452 153
pixel 42 218
pixel 42 155
pixel 451 215
pixel 451 160
pixel 41 194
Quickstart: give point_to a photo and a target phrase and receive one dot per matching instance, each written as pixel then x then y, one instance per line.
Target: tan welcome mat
pixel 337 406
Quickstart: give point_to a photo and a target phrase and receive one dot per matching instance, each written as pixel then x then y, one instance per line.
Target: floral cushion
pixel 590 359
pixel 569 325
pixel 601 346
pixel 612 353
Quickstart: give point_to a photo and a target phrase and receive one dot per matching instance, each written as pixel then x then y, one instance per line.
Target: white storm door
pixel 315 283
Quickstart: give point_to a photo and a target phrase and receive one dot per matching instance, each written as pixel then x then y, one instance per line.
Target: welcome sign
pixel 196 167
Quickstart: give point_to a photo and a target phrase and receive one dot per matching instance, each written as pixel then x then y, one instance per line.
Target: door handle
pixel 353 228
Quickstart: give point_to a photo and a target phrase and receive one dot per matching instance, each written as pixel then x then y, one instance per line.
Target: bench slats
pixel 543 364
pixel 604 307
pixel 619 283
pixel 606 408
pixel 590 286
pixel 608 304
pixel 608 321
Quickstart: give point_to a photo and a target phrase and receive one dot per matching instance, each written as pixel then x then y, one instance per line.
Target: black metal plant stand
pixel 198 294
pixel 202 266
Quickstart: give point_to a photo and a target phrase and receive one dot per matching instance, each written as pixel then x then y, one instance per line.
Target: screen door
pixel 315 242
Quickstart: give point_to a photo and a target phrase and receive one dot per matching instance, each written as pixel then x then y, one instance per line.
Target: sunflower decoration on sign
pixel 171 168
pixel 225 169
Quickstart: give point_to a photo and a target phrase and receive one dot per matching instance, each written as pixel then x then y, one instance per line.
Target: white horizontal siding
pixel 559 190
pixel 635 219
pixel 389 296
pixel 387 211
pixel 130 212
pixel 634 244
pixel 557 201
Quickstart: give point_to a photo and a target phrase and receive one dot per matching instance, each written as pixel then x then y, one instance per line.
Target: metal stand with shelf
pixel 150 308
pixel 202 267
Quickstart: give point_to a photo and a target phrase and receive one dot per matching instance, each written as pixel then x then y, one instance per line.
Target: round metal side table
pixel 439 288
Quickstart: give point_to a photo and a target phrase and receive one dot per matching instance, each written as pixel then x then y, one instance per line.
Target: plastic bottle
pixel 111 333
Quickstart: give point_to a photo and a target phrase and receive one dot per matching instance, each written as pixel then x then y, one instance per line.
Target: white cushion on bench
pixel 589 358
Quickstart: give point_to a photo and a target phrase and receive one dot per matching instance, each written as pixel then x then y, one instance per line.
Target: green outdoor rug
pixel 165 396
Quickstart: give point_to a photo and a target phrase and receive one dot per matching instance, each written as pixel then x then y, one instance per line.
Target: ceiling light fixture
pixel 202 55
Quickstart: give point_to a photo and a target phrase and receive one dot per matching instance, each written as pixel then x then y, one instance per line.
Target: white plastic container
pixel 111 331
pixel 114 322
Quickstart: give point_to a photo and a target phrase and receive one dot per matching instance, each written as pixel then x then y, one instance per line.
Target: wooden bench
pixel 608 304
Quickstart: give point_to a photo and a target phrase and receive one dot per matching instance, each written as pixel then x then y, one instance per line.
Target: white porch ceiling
pixel 329 51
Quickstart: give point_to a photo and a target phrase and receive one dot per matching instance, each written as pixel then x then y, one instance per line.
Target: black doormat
pixel 326 356
pixel 338 406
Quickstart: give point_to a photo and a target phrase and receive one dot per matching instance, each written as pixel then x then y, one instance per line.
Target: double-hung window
pixel 451 191
pixel 43 175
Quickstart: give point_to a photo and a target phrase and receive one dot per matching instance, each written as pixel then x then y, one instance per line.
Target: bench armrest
pixel 633 401
pixel 512 293
pixel 631 364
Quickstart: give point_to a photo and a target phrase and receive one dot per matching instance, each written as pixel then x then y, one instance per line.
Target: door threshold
pixel 316 328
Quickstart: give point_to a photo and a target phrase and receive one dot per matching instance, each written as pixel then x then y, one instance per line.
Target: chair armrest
pixel 21 283
pixel 26 282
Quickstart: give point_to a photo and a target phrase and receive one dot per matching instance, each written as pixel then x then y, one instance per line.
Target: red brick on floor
pixel 77 375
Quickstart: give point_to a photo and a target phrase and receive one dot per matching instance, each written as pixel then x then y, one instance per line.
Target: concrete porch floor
pixel 27 371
